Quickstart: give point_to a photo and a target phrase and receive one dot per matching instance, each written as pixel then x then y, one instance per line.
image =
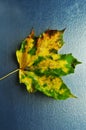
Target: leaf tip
pixel 73 96
pixel 63 30
pixel 32 32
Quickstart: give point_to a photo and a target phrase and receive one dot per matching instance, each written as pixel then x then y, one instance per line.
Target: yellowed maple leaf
pixel 41 67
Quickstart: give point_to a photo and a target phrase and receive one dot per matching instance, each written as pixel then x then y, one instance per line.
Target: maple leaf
pixel 41 67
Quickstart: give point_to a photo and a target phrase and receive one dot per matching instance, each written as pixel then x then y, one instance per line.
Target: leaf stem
pixel 9 74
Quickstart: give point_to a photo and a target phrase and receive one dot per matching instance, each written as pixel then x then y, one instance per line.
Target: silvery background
pixel 20 110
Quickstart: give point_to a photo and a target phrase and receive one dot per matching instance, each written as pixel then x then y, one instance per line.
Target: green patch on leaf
pixel 23 44
pixel 32 51
pixel 38 60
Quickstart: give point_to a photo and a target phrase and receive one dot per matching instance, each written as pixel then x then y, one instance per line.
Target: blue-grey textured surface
pixel 20 110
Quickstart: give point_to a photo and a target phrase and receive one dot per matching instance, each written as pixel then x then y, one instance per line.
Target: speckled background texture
pixel 20 110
